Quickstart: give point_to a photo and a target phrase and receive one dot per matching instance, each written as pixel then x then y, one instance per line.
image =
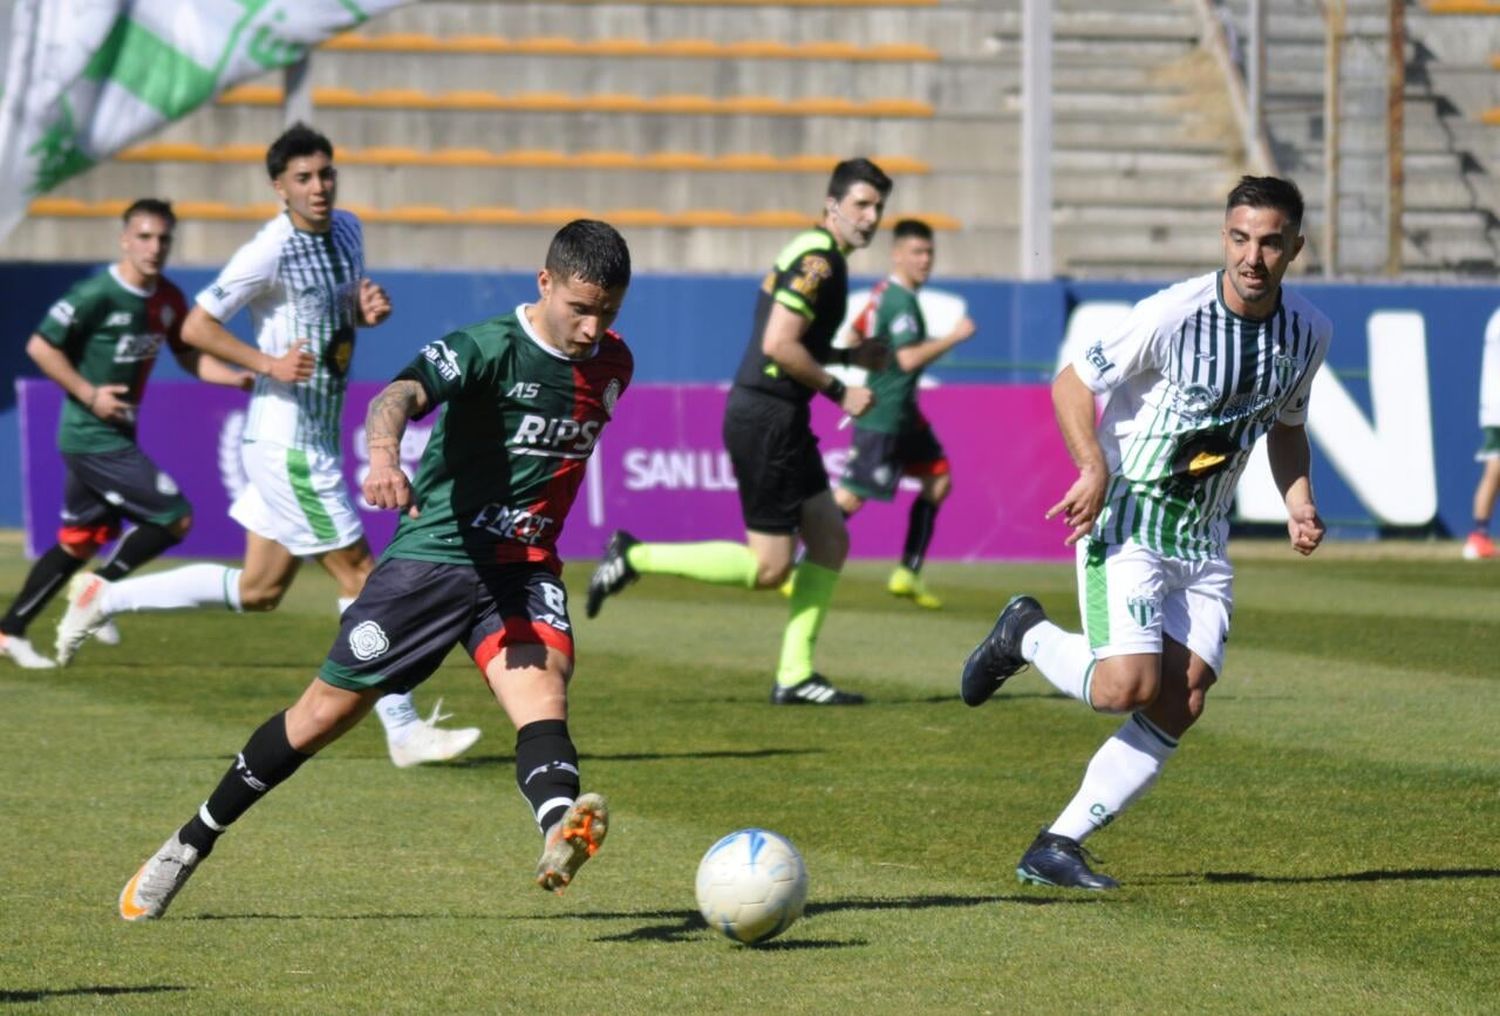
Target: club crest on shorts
pixel 1143 609
pixel 368 640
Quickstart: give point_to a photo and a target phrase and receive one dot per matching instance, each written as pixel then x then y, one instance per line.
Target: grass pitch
pixel 1325 841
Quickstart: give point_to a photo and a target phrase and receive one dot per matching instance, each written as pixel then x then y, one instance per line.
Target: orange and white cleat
pixel 147 895
pixel 573 840
pixel 84 617
pixel 1479 547
pixel 23 653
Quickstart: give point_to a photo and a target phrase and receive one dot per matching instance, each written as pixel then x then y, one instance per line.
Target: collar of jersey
pixel 1219 296
pixel 114 273
pixel 556 354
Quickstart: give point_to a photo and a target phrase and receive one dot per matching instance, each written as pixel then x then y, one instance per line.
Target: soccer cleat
pixel 906 583
pixel 573 840
pixel 147 895
pixel 1479 547
pixel 614 572
pixel 24 653
pixel 999 655
pixel 1062 862
pixel 813 691
pixel 85 615
pixel 108 634
pixel 425 741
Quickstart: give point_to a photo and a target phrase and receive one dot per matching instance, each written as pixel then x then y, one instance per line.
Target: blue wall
pixel 693 328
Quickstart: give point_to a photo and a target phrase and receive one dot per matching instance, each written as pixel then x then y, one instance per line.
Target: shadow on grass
pixel 481 761
pixel 96 990
pixel 1374 875
pixel 686 924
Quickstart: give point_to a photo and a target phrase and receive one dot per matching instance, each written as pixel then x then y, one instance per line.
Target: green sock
pixel 717 561
pixel 811 595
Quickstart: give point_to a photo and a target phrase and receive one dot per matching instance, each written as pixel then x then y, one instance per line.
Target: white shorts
pixel 297 498
pixel 1130 596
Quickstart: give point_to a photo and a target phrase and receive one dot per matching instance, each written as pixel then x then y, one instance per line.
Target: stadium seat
pixel 709 49
pixel 434 215
pixel 473 99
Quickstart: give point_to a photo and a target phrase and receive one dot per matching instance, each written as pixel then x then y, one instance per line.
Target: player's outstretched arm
pixel 386 484
pixel 920 354
pixel 1291 465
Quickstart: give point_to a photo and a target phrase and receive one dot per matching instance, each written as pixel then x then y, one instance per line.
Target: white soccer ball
pixel 751 885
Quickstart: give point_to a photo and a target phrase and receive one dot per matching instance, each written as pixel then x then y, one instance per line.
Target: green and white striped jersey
pixel 1190 388
pixel 297 285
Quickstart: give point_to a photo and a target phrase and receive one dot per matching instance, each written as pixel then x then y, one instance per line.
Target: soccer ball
pixel 751 885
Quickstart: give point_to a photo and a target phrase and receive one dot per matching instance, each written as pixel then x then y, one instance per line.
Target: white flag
pixel 85 78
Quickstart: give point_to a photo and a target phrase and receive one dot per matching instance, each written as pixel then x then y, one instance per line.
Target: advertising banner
pixel 660 470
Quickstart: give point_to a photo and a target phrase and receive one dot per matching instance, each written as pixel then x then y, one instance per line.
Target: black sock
pixel 50 573
pixel 140 545
pixel 918 533
pixel 267 759
pixel 547 769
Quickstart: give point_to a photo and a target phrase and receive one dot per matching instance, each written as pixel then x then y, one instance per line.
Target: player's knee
pixel 1123 689
pixel 939 489
pixel 772 574
pixel 180 528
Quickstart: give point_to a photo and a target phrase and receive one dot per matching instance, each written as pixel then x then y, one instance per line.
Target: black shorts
pixel 776 461
pixel 103 487
pixel 411 613
pixel 877 461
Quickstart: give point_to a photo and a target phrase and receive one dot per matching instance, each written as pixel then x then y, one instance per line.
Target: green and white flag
pixel 84 78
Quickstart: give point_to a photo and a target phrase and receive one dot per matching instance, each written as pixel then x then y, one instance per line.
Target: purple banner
pixel 659 471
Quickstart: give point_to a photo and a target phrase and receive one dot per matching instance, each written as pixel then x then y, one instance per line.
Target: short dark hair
pixel 1267 192
pixel 911 227
pixel 592 251
pixel 296 141
pixel 852 171
pixel 150 206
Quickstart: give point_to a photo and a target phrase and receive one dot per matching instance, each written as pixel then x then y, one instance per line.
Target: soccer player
pixel 1194 376
pixel 1479 546
pixel 474 560
pixel 302 278
pixel 783 486
pixel 894 439
pixel 99 343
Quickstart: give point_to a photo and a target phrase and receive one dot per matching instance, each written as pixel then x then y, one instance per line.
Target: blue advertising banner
pixel 1394 418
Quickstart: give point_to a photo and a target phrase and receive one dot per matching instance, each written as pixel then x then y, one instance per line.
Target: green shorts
pixel 1490 447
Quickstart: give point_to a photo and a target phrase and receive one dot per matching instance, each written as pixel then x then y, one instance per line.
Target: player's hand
pixel 1305 528
pixel 857 400
pixel 964 330
pixel 296 364
pixel 387 487
pixel 1082 503
pixel 374 303
pixel 871 354
pixel 108 403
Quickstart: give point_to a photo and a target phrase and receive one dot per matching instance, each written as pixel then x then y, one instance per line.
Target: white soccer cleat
pixel 425 741
pixel 84 617
pixel 573 840
pixel 147 895
pixel 108 634
pixel 23 653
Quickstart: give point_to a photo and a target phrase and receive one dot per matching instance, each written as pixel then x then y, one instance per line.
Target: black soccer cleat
pixel 1062 862
pixel 999 655
pixel 614 572
pixel 814 691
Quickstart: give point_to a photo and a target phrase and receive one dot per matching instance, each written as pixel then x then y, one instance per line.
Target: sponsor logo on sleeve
pixel 443 359
pixel 1095 356
pixel 62 312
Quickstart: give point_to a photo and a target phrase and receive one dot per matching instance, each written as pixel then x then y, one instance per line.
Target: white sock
pixel 398 715
pixel 1063 657
pixel 196 585
pixel 345 602
pixel 1120 771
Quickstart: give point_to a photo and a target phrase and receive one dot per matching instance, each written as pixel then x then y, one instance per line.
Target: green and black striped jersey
pixel 1190 388
pixel 297 285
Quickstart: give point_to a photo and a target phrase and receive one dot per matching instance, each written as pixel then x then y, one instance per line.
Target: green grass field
pixel 1324 842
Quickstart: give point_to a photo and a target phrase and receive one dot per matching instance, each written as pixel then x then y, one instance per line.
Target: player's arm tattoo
pixel 389 413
